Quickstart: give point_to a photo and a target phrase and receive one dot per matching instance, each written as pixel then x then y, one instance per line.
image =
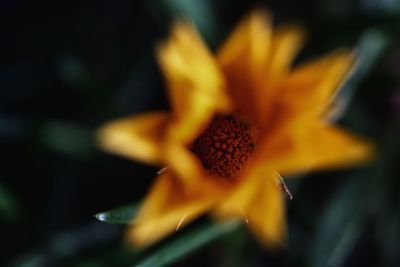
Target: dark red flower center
pixel 224 147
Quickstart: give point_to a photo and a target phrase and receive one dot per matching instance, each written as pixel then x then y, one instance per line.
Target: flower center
pixel 224 147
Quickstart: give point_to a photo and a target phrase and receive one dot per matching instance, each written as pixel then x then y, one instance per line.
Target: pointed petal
pixel 138 137
pixel 286 43
pixel 254 60
pixel 244 56
pixel 185 164
pixel 166 209
pixel 196 86
pixel 188 169
pixel 200 109
pixel 309 89
pixel 321 147
pixel 237 202
pixel 266 213
pixel 258 200
pixel 252 35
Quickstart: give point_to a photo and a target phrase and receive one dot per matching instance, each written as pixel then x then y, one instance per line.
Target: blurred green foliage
pixel 68 66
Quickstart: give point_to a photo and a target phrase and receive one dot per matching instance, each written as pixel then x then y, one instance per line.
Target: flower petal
pixel 252 35
pixel 321 147
pixel 188 169
pixel 254 60
pixel 309 89
pixel 166 209
pixel 257 199
pixel 266 213
pixel 237 202
pixel 185 164
pixel 242 57
pixel 195 83
pixel 286 43
pixel 138 137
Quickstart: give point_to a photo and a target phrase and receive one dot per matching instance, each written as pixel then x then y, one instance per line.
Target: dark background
pixel 68 66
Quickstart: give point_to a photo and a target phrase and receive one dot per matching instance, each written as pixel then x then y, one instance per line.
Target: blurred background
pixel 68 66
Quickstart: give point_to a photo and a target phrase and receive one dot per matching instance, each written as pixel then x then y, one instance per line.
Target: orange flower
pixel 238 120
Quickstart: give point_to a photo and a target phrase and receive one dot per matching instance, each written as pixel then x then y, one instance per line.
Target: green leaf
pixel 188 243
pixel 121 215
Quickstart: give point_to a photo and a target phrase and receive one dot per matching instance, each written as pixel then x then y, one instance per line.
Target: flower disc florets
pixel 224 147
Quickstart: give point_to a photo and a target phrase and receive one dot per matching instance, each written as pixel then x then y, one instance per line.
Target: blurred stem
pixel 187 244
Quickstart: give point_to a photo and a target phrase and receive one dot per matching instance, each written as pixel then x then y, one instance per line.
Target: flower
pixel 239 120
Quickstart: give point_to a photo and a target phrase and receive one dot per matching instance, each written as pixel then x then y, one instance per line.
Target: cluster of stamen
pixel 224 147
